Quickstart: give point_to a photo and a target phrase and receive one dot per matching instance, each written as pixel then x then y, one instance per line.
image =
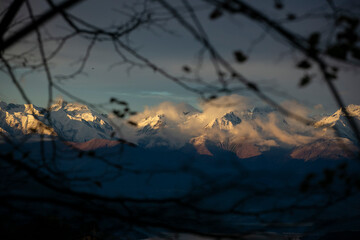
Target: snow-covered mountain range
pixel 70 121
pixel 248 132
pixel 245 131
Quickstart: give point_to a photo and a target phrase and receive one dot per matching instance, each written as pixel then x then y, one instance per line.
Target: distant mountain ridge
pixel 265 125
pixel 245 132
pixel 70 121
pixel 338 121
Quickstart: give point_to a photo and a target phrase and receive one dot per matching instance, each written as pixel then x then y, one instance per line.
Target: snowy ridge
pixel 76 122
pixel 228 121
pixel 150 125
pixel 16 120
pixel 338 116
pixel 339 121
pixel 71 121
pixel 247 132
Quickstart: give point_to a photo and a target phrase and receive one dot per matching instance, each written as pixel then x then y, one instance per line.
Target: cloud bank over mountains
pixel 231 117
pixel 233 123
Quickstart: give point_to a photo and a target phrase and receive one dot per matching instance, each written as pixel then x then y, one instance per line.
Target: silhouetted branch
pixel 41 20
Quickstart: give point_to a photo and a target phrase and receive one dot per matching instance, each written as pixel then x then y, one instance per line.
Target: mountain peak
pixel 71 121
pixel 352 109
pixel 338 120
pixel 226 122
pixel 16 120
pixel 30 109
pixel 231 117
pixel 68 106
pixel 150 125
pixel 154 122
pixel 339 115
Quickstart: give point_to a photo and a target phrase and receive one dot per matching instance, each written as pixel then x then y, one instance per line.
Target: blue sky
pixel 270 64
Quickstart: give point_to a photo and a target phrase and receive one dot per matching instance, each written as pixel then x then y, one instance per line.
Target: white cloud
pixel 265 130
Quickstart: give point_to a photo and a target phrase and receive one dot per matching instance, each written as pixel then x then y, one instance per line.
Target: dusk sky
pixel 270 63
pixel 179 119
